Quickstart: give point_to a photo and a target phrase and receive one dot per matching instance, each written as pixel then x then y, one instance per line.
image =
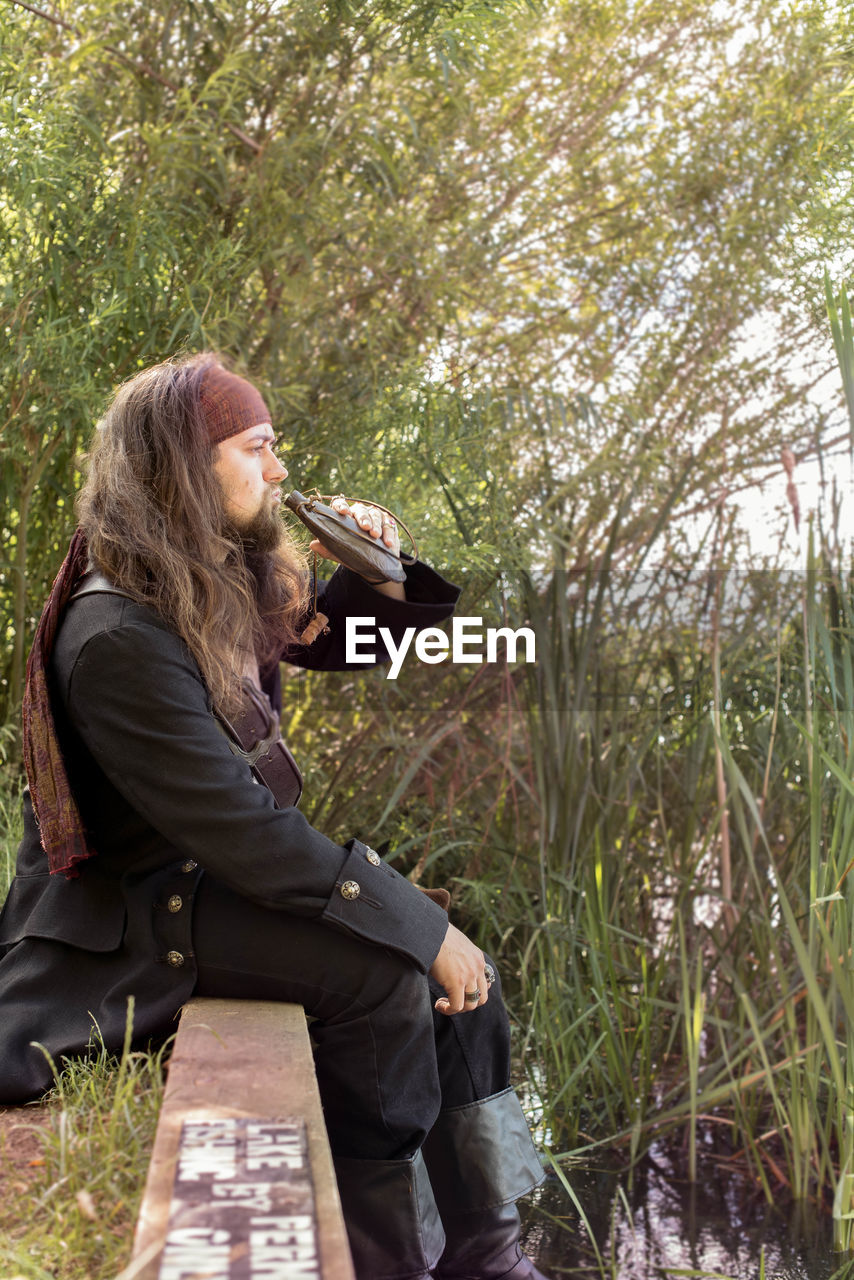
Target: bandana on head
pixel 230 404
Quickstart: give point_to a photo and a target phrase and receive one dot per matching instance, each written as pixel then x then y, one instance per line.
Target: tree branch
pixel 139 68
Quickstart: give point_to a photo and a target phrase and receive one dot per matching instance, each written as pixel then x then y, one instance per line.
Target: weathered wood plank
pixel 249 1060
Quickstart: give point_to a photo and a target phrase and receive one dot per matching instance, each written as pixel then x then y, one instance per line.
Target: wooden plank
pixel 239 1060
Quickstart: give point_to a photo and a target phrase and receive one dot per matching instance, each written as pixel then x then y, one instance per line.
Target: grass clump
pixel 74 1220
pixel 69 1212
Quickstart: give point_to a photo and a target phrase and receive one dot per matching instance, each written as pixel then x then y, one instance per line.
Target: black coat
pixel 166 801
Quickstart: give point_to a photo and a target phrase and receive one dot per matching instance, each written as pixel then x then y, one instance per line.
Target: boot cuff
pixel 392 1221
pixel 481 1155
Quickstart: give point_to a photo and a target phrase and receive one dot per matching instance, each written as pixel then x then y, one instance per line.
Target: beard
pixel 258 536
pixel 257 542
pixel 262 550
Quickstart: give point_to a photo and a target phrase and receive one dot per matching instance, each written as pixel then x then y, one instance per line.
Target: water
pixel 663 1226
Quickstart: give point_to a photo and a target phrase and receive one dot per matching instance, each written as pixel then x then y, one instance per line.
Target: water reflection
pixel 663 1226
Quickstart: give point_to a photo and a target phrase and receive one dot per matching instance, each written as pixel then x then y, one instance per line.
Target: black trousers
pixel 386 1062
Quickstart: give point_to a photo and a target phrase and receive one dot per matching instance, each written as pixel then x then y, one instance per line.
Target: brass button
pixel 175 903
pixel 189 865
pixel 373 857
pixel 175 959
pixel 350 890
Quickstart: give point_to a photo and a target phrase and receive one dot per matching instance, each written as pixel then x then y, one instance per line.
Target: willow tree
pixel 425 228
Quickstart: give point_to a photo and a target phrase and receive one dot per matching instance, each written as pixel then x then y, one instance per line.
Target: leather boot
pixel 481 1160
pixel 484 1245
pixel 392 1221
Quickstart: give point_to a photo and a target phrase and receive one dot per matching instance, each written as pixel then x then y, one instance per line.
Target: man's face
pixel 249 474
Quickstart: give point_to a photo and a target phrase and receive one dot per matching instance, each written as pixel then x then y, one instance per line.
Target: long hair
pixel 152 511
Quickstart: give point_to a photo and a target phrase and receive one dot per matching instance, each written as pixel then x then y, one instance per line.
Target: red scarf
pixel 63 835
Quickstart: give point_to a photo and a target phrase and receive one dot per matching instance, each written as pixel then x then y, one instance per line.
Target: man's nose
pixel 275 471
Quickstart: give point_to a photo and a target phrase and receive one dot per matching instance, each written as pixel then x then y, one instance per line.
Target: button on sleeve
pixel 385 908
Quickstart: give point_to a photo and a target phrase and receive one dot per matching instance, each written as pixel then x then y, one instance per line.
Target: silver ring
pixel 472 995
pixel 489 973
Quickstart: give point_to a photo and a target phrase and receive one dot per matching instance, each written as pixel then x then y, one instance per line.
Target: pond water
pixel 664 1226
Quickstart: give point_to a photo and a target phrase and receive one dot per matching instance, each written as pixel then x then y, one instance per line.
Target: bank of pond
pixel 597 1222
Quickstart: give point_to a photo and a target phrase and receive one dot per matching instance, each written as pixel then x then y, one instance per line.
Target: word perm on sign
pixel 242 1204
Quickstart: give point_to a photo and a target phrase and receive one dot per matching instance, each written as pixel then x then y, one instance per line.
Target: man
pixel 154 865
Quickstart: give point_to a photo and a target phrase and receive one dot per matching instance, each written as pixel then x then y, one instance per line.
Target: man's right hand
pixel 459 967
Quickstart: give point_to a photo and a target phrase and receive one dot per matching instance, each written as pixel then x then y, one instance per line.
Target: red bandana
pixel 230 404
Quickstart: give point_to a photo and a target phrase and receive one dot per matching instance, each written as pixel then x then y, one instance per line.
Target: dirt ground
pixel 20 1148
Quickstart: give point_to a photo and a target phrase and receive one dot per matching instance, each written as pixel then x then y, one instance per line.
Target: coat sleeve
pixel 137 700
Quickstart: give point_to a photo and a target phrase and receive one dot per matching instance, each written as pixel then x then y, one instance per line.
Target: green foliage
pixel 378 209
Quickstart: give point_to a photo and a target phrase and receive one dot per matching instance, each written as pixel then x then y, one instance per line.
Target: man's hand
pixel 459 968
pixel 379 525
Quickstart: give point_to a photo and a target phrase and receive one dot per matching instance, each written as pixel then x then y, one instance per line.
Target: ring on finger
pixel 474 996
pixel 489 974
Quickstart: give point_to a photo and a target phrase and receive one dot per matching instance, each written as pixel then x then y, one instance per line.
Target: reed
pixel 11 820
pixel 653 999
pixel 595 970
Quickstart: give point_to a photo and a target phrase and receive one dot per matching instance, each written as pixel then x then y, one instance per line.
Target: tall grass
pixel 650 828
pixel 802 1020
pixel 650 997
pixel 11 822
